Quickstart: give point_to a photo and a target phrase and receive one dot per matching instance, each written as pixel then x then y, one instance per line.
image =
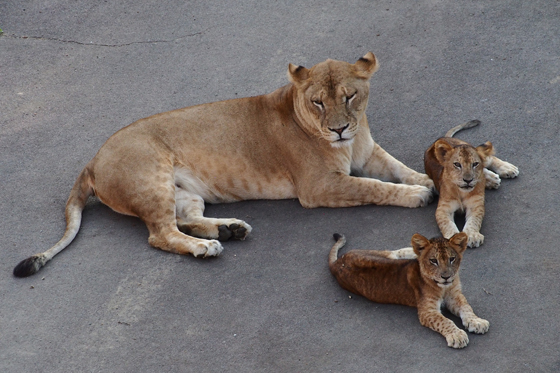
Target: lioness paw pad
pixel 236 231
pixel 477 325
pixel 457 339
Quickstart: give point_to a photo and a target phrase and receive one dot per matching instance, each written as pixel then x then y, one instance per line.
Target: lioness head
pixel 463 164
pixel 331 97
pixel 439 258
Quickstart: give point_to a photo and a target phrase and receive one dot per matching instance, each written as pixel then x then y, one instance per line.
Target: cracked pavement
pixel 73 73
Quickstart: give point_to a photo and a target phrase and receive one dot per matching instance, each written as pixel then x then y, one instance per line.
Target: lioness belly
pixel 237 184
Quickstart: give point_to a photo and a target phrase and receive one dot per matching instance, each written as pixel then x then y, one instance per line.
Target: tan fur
pixel 426 278
pixel 461 173
pixel 302 141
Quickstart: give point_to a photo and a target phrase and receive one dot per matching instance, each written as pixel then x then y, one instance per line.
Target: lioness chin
pixel 425 276
pixel 308 140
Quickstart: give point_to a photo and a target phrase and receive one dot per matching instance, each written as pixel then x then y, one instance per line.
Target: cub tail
pixel 79 195
pixel 340 242
pixel 454 130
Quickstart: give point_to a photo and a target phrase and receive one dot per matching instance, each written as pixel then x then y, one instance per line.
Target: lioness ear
pixel 442 148
pixel 460 239
pixel 419 243
pixel 485 150
pixel 366 66
pixel 297 74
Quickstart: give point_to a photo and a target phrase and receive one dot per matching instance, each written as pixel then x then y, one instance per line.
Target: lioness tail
pixel 454 130
pixel 79 195
pixel 340 241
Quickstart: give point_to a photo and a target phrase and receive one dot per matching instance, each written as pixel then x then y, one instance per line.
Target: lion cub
pixel 460 173
pixel 425 276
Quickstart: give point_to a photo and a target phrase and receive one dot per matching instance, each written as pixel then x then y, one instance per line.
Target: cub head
pixel 439 258
pixel 331 97
pixel 463 164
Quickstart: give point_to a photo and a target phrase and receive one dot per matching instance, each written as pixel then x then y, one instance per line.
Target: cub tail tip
pixel 30 266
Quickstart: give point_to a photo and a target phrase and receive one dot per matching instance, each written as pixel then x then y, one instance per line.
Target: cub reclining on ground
pixel 425 276
pixel 461 173
pixel 308 140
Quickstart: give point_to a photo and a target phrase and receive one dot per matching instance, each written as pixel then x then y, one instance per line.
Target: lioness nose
pixel 339 130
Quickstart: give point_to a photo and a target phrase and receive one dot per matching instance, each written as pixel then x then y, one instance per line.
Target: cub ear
pixel 485 150
pixel 460 240
pixel 419 243
pixel 297 74
pixel 441 150
pixel 366 66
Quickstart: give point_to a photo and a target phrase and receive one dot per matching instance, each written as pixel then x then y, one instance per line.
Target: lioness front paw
pixel 493 180
pixel 421 179
pixel 416 196
pixel 507 170
pixel 457 339
pixel 477 325
pixel 475 239
pixel 208 248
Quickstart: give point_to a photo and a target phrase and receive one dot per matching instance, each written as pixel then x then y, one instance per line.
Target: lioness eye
pixel 318 103
pixel 434 261
pixel 457 164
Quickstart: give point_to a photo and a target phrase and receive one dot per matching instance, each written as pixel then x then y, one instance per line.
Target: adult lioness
pixel 425 276
pixel 301 141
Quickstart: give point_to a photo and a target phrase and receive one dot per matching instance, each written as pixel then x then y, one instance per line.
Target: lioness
pixel 461 173
pixel 308 140
pixel 425 276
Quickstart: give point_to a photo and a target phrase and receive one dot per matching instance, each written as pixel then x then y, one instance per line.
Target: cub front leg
pixel 383 166
pixel 473 220
pixel 432 318
pixel 445 217
pixel 458 305
pixel 340 190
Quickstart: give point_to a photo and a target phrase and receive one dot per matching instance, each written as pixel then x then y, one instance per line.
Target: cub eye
pixel 318 103
pixel 434 262
pixel 475 164
pixel 452 259
pixel 457 164
pixel 350 98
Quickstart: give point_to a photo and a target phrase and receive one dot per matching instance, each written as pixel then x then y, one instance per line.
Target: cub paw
pixel 507 170
pixel 235 231
pixel 457 339
pixel 493 180
pixel 208 248
pixel 475 239
pixel 416 196
pixel 477 325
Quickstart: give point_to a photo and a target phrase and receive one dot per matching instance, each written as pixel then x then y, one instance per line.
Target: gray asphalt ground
pixel 74 72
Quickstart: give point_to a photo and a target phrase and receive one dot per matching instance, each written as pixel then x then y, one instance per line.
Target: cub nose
pixel 445 277
pixel 468 181
pixel 339 130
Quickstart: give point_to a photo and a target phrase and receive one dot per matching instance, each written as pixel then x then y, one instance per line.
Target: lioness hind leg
pixel 179 243
pixel 502 168
pixel 190 219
